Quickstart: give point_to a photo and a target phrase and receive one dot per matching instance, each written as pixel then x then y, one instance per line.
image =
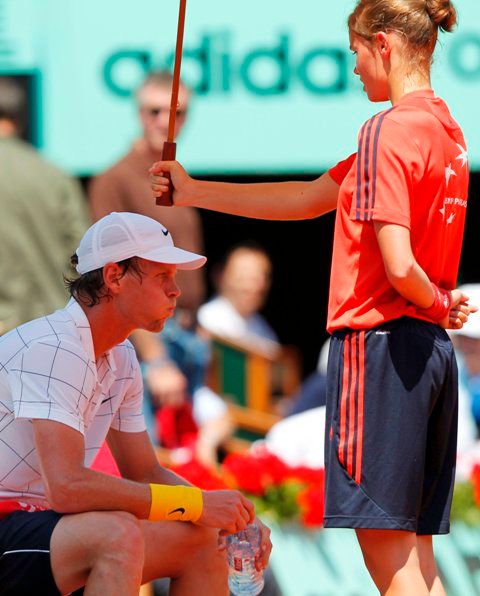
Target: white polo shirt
pixel 48 371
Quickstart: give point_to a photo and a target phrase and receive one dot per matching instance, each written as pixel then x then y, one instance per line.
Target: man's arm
pixel 105 194
pixel 72 488
pixel 73 215
pixel 275 200
pixel 136 459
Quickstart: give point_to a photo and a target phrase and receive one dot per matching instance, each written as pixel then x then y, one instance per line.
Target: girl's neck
pixel 407 82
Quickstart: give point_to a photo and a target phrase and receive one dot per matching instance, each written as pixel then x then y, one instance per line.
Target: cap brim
pixel 171 255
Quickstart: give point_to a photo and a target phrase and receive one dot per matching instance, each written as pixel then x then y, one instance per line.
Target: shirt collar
pixel 82 324
pixel 425 93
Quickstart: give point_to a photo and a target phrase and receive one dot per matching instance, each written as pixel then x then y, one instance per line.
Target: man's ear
pixel 112 276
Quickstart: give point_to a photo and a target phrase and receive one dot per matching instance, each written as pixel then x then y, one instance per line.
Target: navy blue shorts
pixel 391 430
pixel 25 554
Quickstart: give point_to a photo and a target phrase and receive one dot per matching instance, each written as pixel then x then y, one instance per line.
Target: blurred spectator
pixel 298 439
pixel 467 346
pixel 43 216
pixel 243 284
pixel 313 391
pixel 125 185
pixel 174 363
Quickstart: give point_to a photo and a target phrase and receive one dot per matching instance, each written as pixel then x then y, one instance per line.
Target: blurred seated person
pixel 191 419
pixel 243 283
pixel 313 390
pixel 298 439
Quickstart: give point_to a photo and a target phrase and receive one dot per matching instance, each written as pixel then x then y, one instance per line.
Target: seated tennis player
pixel 68 381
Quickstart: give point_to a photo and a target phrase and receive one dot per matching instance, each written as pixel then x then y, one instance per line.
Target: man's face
pixel 154 106
pixel 148 302
pixel 246 280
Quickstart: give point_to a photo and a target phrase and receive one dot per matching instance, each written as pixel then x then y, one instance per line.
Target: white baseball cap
pixel 472 326
pixel 120 236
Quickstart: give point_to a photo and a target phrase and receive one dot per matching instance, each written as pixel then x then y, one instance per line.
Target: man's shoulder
pixel 43 339
pixel 32 159
pixel 126 348
pixel 118 169
pixel 124 354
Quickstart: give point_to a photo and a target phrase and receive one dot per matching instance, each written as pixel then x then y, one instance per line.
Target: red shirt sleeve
pixel 388 167
pixel 338 172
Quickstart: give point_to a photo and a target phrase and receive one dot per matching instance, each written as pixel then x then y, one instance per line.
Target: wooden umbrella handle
pixel 168 154
pixel 170 147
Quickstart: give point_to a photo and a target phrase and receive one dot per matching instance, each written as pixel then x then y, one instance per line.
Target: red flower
pixel 311 503
pixel 254 471
pixel 309 475
pixel 247 473
pixel 475 478
pixel 199 475
pixel 280 488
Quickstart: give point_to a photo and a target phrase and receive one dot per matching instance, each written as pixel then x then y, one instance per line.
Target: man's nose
pixel 174 290
pixel 163 117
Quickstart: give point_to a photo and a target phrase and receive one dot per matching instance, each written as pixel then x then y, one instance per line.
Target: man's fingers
pixel 265 555
pixel 245 514
pixel 250 508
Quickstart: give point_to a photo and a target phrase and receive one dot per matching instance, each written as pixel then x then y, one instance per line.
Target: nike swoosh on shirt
pixel 165 232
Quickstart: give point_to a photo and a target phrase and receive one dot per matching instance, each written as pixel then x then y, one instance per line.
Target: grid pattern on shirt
pixel 48 371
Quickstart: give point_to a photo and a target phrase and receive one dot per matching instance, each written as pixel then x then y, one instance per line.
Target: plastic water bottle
pixel 243 550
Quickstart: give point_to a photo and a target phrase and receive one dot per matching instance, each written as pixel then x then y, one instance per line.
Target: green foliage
pixel 464 507
pixel 280 502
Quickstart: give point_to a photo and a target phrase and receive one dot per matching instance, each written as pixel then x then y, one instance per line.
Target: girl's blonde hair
pixel 418 21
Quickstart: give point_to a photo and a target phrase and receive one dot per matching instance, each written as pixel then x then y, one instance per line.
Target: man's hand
pixel 265 545
pixel 460 310
pixel 180 179
pixel 227 510
pixel 167 384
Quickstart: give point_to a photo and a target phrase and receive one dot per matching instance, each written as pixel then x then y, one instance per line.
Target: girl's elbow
pixel 400 272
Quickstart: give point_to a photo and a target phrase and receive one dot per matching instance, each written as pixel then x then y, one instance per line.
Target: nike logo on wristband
pixel 180 510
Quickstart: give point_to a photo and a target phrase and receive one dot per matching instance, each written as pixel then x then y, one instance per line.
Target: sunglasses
pixel 155 111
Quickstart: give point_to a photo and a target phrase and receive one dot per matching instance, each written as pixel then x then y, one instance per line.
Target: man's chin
pixel 156 145
pixel 156 326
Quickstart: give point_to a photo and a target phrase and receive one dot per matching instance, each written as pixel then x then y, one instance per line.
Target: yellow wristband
pixel 175 503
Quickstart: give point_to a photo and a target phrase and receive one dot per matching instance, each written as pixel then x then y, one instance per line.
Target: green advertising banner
pixel 274 83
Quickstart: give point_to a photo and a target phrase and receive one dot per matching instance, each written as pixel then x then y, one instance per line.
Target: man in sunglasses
pixel 125 187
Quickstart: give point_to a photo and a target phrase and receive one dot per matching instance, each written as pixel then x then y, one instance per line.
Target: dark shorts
pixel 391 430
pixel 25 554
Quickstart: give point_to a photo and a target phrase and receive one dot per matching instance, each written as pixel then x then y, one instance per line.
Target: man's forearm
pixel 90 490
pixel 160 475
pixel 96 491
